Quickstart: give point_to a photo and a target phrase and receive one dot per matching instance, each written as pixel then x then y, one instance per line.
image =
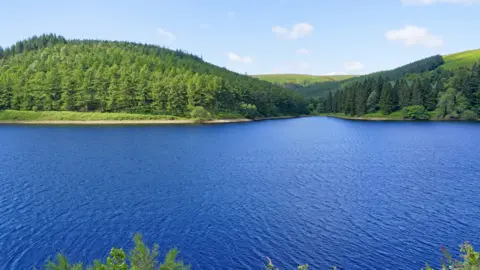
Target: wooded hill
pixel 448 62
pixel 322 89
pixel 439 93
pixel 50 73
pixel 296 81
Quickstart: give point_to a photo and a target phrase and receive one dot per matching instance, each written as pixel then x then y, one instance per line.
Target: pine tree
pixel 350 101
pixel 329 103
pixel 386 101
pixel 475 87
pixel 405 93
pixel 361 99
pixel 86 93
pixel 143 91
pixel 101 86
pixel 177 97
pixel 396 95
pixel 4 99
pixel 70 86
pixel 54 90
pixel 417 93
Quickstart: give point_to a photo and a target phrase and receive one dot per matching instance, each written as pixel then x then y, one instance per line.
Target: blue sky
pixel 263 36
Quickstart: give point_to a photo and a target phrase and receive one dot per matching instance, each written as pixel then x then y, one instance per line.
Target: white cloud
pixel 237 58
pixel 413 35
pixel 353 66
pixel 299 30
pixel 430 2
pixel 205 26
pixel 303 51
pixel 165 35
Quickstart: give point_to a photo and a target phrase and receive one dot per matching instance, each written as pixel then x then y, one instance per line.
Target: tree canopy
pixel 417 67
pixel 449 94
pixel 50 73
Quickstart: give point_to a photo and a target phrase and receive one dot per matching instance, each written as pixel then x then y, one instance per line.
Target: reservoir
pixel 316 190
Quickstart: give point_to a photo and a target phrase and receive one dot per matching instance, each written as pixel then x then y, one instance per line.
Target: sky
pixel 317 37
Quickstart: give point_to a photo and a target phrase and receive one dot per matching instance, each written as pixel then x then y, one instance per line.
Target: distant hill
pixel 447 62
pixel 466 58
pixel 300 79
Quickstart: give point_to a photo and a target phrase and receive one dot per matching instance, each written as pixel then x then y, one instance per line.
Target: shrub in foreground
pixel 469 259
pixel 140 258
pixel 144 258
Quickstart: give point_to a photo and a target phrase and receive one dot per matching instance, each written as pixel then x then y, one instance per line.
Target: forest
pixel 436 94
pixel 420 66
pixel 51 73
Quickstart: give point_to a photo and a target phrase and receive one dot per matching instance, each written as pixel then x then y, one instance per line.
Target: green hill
pixel 461 59
pixel 51 73
pixel 447 62
pixel 300 79
pixel 429 88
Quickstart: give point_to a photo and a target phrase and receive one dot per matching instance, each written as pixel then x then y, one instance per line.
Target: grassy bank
pixel 97 118
pixel 65 117
pixel 11 115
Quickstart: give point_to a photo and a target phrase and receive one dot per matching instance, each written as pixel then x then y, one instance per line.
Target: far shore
pixel 121 122
pixel 370 118
pixel 395 119
pixel 137 122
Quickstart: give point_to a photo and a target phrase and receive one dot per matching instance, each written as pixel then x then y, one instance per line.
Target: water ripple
pixel 322 191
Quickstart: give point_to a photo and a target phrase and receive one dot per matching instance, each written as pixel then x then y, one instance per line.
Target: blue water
pixel 323 191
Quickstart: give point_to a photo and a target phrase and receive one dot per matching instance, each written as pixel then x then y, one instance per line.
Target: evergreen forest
pixel 419 91
pixel 51 73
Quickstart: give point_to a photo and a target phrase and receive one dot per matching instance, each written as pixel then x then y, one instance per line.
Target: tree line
pixel 447 94
pixel 420 66
pixel 51 73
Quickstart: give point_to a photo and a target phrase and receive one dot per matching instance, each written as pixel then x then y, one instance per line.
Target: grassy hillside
pixel 447 62
pixel 456 60
pixel 420 66
pixel 300 79
pixel 51 73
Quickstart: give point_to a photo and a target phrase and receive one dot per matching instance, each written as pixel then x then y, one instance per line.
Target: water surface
pixel 323 191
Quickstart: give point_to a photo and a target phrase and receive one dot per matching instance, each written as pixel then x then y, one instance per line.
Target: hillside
pixel 439 93
pixel 51 73
pixel 461 59
pixel 447 62
pixel 300 79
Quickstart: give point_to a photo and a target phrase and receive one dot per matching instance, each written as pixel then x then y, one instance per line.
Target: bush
pixel 144 258
pixel 470 259
pixel 416 112
pixel 141 257
pixel 249 110
pixel 469 115
pixel 200 114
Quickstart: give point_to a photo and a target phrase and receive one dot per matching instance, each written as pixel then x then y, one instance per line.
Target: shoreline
pixel 139 122
pixel 371 118
pixel 122 122
pixel 396 119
